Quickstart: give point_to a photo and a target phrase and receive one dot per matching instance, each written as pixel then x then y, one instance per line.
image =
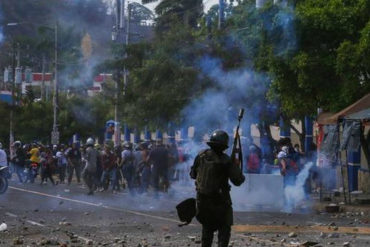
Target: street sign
pixel 55 137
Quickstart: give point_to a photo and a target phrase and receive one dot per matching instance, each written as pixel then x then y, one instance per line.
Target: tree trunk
pixel 265 131
pixel 43 78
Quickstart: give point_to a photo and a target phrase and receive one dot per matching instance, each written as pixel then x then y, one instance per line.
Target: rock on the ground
pixel 292 235
pixel 192 238
pixel 3 227
pixel 65 223
pixel 18 241
pixel 49 242
pixel 333 235
pixel 309 243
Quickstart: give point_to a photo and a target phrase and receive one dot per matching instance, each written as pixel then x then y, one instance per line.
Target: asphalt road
pixel 64 215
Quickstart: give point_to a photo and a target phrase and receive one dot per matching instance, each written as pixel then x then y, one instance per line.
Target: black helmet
pixel 219 138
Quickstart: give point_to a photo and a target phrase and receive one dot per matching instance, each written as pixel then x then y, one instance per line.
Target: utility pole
pixel 55 132
pixel 127 41
pixel 11 117
pixel 221 16
pixel 119 29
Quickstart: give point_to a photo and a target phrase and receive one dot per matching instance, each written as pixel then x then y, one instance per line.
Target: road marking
pixel 99 205
pixel 300 229
pixel 29 221
pixel 11 215
pixel 35 223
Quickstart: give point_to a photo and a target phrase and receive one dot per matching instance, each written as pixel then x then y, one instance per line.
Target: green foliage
pixel 160 78
pixel 187 12
pixel 329 56
pixel 33 121
pixel 85 116
pixel 4 123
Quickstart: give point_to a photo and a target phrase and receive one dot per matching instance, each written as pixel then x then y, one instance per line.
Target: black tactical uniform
pixel 212 170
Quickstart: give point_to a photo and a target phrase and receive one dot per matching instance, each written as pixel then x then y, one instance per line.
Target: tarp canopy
pixel 330 145
pixel 351 136
pixel 323 118
pixel 361 105
pixel 361 115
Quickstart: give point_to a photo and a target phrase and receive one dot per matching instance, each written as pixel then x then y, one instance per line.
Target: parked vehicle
pixel 4 175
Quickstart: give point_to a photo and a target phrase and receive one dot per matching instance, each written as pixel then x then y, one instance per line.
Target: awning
pixel 323 118
pixel 361 115
pixel 359 106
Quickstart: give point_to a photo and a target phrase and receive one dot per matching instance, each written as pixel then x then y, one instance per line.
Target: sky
pixel 207 4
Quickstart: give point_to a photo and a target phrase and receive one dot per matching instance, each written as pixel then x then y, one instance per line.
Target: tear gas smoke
pixel 80 113
pixel 218 107
pixel 295 193
pixel 1 35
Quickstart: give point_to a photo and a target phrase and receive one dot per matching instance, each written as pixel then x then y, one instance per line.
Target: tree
pixel 85 116
pixel 187 12
pixel 159 80
pixel 331 37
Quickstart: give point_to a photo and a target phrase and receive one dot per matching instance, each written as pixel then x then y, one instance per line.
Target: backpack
pixel 211 176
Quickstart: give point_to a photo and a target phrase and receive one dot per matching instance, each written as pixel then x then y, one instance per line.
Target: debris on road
pixel 3 227
pixel 309 243
pixel 18 241
pixel 333 235
pixel 65 223
pixel 192 238
pixel 332 208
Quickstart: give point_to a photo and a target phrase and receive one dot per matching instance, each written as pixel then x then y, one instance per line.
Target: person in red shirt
pixel 253 161
pixel 108 161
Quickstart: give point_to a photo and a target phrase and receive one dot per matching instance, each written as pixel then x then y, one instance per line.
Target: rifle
pixel 237 152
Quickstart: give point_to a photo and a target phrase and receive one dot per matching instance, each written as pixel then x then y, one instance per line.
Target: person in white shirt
pixel 3 157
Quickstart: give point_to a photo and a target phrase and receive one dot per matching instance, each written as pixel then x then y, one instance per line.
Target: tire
pixel 3 185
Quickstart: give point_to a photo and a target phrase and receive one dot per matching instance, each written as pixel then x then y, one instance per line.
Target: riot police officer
pixel 212 170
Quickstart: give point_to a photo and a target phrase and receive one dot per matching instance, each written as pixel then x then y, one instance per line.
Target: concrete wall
pixel 364 181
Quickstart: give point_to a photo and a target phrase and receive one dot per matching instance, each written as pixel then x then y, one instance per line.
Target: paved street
pixel 46 215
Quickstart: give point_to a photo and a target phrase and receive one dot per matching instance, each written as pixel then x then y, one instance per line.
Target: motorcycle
pixel 4 175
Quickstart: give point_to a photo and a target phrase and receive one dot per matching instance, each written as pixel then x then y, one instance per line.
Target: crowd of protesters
pixel 106 167
pixel 148 165
pixel 286 159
